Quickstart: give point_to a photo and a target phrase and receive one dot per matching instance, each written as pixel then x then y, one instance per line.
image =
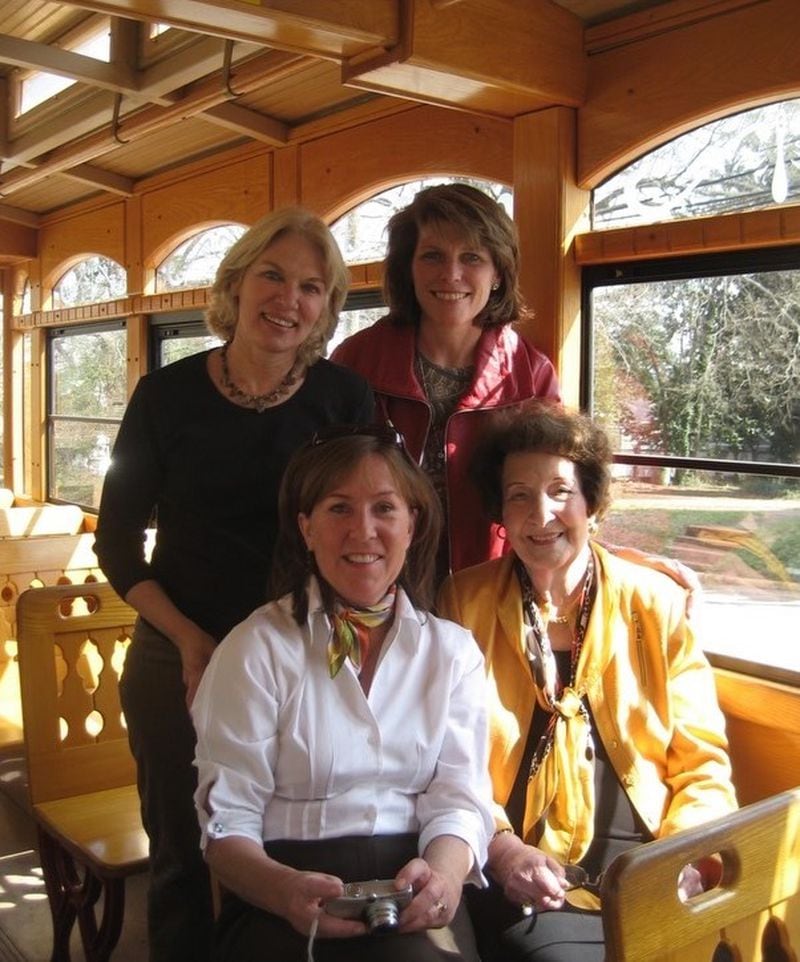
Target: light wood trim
pixel 645 93
pixel 656 20
pixel 776 227
pixel 548 209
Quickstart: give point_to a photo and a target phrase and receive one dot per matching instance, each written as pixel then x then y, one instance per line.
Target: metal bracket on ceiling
pixel 226 69
pixel 115 121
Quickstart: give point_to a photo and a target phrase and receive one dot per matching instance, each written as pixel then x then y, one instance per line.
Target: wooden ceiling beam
pixel 480 55
pixel 317 28
pixel 201 96
pixel 103 179
pixel 249 123
pixel 32 55
pixel 16 215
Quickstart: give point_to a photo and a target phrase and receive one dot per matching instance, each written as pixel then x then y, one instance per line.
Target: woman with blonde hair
pixel 201 449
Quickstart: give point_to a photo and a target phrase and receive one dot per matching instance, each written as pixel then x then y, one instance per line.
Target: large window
pixel 175 336
pixel 87 397
pixel 748 161
pixel 695 370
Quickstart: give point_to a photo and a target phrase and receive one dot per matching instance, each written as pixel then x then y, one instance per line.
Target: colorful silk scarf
pixel 561 780
pixel 350 638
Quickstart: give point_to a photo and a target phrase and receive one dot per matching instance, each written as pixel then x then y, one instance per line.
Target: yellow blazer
pixel 648 684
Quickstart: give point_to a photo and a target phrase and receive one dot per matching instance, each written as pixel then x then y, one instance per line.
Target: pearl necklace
pixel 258 401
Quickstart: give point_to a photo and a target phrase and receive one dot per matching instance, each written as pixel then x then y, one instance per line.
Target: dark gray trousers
pixel 179 911
pixel 248 934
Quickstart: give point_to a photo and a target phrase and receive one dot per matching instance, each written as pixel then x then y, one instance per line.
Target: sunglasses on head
pixel 385 432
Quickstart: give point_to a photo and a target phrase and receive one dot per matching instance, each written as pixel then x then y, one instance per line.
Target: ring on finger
pixel 439 907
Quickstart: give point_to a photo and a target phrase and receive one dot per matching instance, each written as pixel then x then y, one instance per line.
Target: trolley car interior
pixel 169 118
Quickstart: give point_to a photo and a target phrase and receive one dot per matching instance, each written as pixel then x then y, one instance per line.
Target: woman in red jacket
pixel 447 355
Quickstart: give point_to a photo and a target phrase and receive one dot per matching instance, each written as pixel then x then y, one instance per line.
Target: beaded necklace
pixel 258 401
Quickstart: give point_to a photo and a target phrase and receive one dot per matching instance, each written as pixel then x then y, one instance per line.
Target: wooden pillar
pixel 550 210
pixel 38 415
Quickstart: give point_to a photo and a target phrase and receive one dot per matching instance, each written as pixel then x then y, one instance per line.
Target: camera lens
pixel 381 915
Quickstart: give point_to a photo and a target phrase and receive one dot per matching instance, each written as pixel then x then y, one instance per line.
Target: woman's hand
pixel 302 900
pixel 527 875
pixel 436 896
pixel 196 648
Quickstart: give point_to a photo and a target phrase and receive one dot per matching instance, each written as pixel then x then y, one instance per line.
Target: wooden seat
pixel 753 915
pixel 80 770
pixel 39 520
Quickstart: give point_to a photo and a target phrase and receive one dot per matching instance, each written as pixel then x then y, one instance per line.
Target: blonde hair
pixel 222 315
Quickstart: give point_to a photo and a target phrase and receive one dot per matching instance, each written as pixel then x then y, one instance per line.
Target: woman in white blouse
pixel 341 730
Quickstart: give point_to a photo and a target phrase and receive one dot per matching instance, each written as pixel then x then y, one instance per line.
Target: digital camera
pixel 377 903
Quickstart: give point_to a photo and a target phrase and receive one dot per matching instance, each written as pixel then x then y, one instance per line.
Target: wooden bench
pixel 80 771
pixel 33 563
pixel 35 521
pixel 753 915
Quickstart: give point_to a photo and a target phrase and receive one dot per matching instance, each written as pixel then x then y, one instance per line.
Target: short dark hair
pixel 313 471
pixel 482 221
pixel 541 425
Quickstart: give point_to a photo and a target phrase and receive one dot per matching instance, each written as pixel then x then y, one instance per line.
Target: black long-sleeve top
pixel 207 472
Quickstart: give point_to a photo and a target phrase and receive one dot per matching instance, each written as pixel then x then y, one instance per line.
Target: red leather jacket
pixel 507 370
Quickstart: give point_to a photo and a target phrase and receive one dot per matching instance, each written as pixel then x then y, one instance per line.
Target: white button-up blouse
pixel 286 752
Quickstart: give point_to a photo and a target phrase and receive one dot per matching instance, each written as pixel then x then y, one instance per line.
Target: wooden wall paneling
pixel 65 240
pixel 416 143
pixel 238 192
pixel 550 210
pixel 643 93
pixel 17 240
pixel 285 179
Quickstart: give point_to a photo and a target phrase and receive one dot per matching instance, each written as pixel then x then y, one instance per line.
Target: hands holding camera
pixel 528 876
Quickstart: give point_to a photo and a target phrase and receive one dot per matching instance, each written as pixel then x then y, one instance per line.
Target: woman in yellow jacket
pixel 605 726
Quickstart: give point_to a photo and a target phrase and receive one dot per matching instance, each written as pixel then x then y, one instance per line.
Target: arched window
pixel 194 262
pixel 361 232
pixel 91 280
pixel 361 235
pixel 748 161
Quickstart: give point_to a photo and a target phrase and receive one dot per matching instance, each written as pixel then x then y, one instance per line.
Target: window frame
pixel 51 418
pixel 615 274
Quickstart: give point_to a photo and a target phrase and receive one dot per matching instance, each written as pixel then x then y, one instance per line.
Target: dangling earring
pixel 593 526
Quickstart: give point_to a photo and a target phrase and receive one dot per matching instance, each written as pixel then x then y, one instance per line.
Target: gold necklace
pixel 258 401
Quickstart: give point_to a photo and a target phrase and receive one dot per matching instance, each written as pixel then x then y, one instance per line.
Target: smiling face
pixel 545 513
pixel 282 295
pixel 452 278
pixel 359 532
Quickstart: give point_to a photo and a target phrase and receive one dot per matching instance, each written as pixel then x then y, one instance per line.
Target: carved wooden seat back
pixel 72 642
pixel 753 915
